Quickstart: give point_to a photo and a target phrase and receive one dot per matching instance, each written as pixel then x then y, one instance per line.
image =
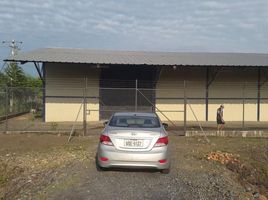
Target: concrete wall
pixel 64 89
pixel 229 83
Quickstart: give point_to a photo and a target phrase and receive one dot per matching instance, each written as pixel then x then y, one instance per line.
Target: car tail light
pixel 103 159
pixel 162 161
pixel 161 142
pixel 104 139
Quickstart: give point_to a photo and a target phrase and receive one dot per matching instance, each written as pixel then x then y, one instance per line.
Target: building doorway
pixel 118 89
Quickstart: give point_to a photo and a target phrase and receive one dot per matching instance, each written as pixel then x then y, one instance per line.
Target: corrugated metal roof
pixel 68 55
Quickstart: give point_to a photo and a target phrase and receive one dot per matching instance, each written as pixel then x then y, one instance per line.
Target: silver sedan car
pixel 134 140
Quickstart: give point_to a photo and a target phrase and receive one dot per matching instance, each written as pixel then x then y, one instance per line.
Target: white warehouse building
pixel 109 81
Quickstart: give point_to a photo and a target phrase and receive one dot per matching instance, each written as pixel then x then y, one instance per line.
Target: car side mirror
pixel 165 125
pixel 105 123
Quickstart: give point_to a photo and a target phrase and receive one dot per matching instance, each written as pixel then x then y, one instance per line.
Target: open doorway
pixel 118 93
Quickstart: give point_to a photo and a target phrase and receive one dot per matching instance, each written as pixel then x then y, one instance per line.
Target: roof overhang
pixel 109 57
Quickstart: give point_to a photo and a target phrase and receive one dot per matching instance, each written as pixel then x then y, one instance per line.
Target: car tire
pixel 98 167
pixel 165 171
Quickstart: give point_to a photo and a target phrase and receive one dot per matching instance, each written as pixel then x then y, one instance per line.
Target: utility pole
pixel 14 45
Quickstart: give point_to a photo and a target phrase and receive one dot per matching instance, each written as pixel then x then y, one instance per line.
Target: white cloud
pixel 186 25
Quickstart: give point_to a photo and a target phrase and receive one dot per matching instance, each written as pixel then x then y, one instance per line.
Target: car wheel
pixel 165 171
pixel 98 167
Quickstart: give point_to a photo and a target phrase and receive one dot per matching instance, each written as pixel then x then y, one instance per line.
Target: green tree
pixel 24 91
pixel 2 79
pixel 33 82
pixel 2 93
pixel 34 91
pixel 15 76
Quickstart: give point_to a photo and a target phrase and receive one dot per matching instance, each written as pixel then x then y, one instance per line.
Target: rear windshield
pixel 135 121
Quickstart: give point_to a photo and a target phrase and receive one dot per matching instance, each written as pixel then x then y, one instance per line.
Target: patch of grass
pixel 38 114
pixel 54 126
pixel 67 182
pixel 3 173
pixel 253 152
pixel 253 156
pixel 3 180
pixel 8 172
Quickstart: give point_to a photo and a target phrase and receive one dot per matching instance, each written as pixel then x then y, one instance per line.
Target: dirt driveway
pixel 46 167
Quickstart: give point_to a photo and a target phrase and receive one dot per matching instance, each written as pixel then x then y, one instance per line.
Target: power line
pixel 14 46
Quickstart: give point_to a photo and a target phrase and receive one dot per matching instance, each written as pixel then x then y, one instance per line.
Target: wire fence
pixel 15 100
pixel 82 105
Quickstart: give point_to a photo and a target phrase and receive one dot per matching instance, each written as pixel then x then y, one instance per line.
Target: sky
pixel 141 25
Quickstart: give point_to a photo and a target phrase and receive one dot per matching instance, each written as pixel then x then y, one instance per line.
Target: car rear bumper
pixel 131 159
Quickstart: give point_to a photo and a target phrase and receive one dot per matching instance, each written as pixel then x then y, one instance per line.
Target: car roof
pixel 139 114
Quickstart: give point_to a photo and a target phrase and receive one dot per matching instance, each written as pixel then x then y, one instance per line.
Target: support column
pixel 243 115
pixel 39 71
pixel 44 91
pixel 185 108
pixel 85 108
pixel 207 88
pixel 136 95
pixel 259 94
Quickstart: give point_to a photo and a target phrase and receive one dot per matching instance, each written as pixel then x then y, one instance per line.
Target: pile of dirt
pixel 223 157
pixel 248 176
pixel 251 178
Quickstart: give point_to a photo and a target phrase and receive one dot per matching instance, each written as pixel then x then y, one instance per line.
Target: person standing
pixel 220 120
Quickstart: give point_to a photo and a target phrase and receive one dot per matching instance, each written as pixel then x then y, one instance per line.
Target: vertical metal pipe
pixel 36 99
pixel 6 110
pixel 259 94
pixel 136 96
pixel 44 92
pixel 243 93
pixel 85 108
pixel 207 87
pixel 185 108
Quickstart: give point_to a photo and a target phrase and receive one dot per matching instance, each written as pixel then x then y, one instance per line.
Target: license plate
pixel 133 143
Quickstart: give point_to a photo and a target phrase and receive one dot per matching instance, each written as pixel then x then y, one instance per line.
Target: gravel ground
pixel 150 185
pixel 190 178
pixel 69 172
